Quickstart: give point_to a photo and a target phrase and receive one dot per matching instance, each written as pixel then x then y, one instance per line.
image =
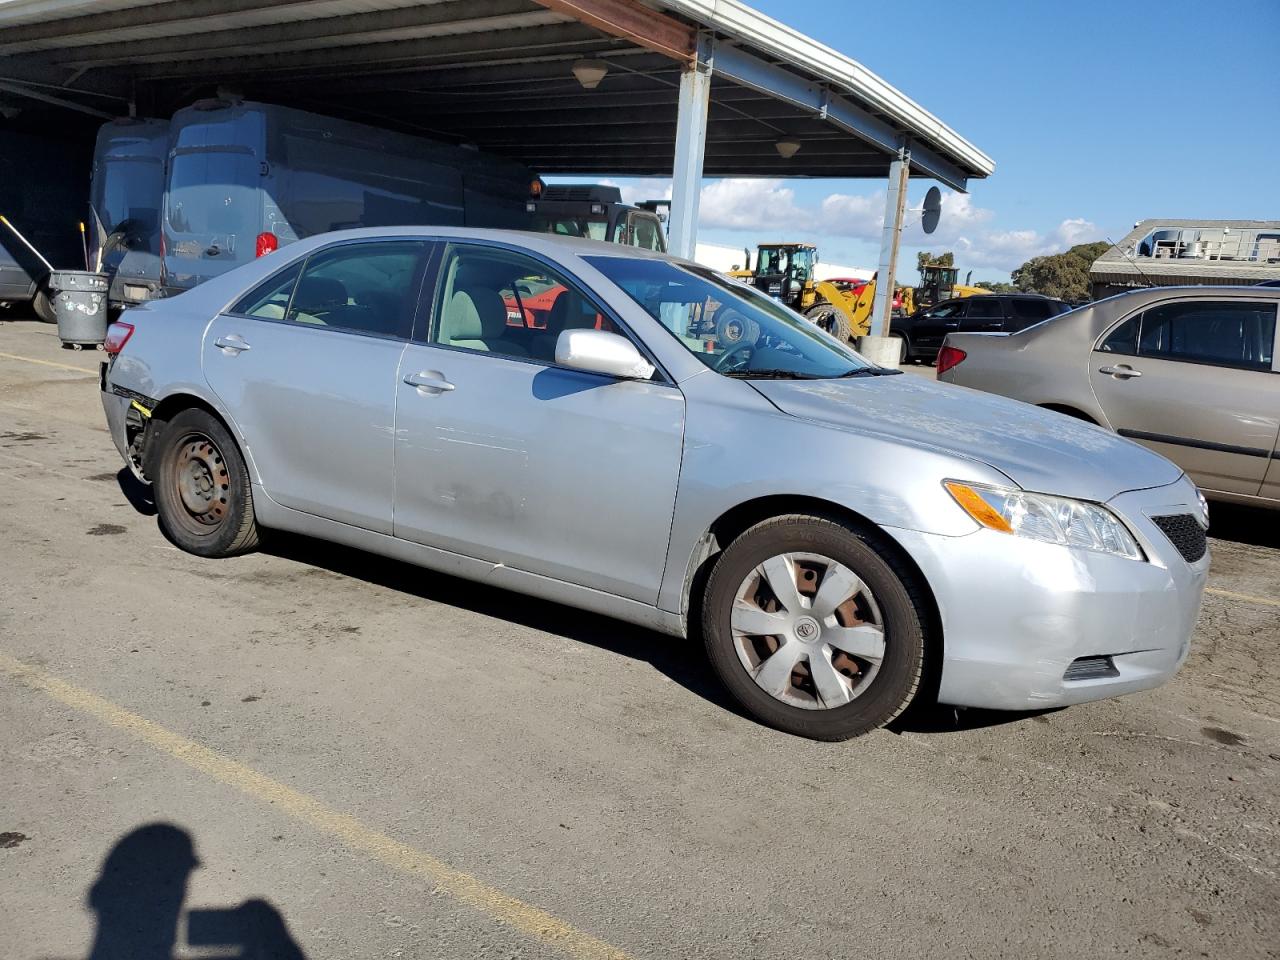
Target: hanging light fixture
pixel 590 72
pixel 787 148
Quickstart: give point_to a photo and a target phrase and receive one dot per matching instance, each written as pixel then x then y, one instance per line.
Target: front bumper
pixel 1016 613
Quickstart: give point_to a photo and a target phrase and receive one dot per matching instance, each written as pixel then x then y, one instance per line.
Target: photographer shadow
pixel 138 901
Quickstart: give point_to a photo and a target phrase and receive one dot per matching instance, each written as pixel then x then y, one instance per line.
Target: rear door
pixel 983 315
pixel 306 364
pixel 213 212
pixel 1196 381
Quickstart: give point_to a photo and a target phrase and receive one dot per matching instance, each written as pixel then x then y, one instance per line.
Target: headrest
pixel 478 313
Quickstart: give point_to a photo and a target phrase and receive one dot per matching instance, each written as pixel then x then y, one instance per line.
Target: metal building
pixel 680 88
pixel 1188 252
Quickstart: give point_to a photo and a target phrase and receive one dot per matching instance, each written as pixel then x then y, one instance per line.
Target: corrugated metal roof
pixel 496 73
pixel 1182 251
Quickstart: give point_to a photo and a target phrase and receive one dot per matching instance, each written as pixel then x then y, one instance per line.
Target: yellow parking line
pixel 50 363
pixel 524 917
pixel 1243 596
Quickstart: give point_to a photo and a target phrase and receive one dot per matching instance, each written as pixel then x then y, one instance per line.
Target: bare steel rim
pixel 808 631
pixel 202 482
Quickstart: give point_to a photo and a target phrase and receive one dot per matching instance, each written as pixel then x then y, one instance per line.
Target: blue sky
pixel 1097 114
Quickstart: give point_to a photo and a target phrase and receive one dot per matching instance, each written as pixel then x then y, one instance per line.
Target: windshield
pixel 573 227
pixel 729 326
pixel 793 261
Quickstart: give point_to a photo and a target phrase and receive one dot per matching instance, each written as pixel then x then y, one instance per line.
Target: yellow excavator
pixel 846 313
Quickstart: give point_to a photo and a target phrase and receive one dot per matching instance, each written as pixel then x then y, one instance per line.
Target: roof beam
pixel 736 63
pixel 130 22
pixel 403 23
pixel 632 21
pixel 411 54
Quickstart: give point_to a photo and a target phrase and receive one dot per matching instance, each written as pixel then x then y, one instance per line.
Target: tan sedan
pixel 1192 372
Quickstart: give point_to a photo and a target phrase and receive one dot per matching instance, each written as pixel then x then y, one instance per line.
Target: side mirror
pixel 597 351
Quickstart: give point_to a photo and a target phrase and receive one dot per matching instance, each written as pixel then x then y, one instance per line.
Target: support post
pixel 691 144
pixel 895 206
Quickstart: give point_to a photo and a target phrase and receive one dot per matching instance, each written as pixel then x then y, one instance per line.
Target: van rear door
pixel 213 212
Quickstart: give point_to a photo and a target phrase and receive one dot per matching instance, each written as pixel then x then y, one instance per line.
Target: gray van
pixel 244 178
pixel 126 193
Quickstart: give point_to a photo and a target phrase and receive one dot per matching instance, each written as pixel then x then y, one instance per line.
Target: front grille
pixel 1091 668
pixel 1185 533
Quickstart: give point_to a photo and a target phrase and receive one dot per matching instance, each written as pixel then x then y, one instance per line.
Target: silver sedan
pixel 558 417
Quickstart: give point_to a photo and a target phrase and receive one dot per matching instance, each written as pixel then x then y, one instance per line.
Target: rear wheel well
pixel 736 521
pixel 1069 411
pixel 166 410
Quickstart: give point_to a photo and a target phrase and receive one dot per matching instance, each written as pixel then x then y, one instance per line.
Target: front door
pixel 306 365
pixel 509 458
pixel 932 326
pixel 1195 381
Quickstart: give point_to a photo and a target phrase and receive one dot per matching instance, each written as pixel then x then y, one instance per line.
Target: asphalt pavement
pixel 357 758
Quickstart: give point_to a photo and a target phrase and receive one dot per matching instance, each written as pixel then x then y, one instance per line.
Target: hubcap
pixel 808 631
pixel 203 482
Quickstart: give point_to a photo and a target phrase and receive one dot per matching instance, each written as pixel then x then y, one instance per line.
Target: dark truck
pixel 596 212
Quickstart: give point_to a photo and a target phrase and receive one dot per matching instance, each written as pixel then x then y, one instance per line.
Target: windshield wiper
pixel 870 372
pixel 774 374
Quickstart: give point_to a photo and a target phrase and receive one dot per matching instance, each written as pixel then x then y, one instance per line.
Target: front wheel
pixel 904 349
pixel 831 319
pixel 813 628
pixel 202 489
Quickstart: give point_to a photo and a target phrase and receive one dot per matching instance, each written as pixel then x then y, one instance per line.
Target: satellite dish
pixel 932 209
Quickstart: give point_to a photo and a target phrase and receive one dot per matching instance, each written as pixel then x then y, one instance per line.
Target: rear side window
pixel 360 287
pixel 1124 338
pixel 1229 334
pixel 982 308
pixel 1031 311
pixel 269 300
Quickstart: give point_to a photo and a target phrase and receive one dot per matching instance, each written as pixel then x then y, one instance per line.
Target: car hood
pixel 1039 450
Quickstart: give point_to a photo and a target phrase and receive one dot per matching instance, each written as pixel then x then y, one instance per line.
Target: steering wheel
pixel 730 356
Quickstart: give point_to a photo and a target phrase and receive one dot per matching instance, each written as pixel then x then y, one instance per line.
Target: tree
pixel 996 286
pixel 1062 275
pixel 924 258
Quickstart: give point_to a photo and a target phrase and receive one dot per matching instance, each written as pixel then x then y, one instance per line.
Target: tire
pixel 885 592
pixel 831 320
pixel 733 328
pixel 201 487
pixel 42 306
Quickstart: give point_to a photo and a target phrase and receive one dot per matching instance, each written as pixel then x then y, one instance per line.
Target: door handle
pixel 430 381
pixel 1122 372
pixel 231 344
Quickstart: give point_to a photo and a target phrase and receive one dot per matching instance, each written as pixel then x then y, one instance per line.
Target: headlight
pixel 1069 523
pixel 1204 509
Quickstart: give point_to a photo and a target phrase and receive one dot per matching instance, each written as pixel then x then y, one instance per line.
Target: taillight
pixel 267 243
pixel 118 335
pixel 949 357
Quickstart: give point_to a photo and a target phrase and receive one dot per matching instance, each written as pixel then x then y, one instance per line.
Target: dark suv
pixel 922 333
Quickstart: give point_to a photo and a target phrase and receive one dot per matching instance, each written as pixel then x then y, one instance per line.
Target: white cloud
pixel 769 208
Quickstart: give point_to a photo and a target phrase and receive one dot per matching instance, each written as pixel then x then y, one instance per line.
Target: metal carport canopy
pixel 496 73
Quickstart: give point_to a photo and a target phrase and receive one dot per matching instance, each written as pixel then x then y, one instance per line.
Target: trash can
pixel 80 306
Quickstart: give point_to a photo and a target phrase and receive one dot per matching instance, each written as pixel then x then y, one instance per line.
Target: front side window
pixel 1224 333
pixel 945 311
pixel 645 232
pixel 361 287
pixel 500 302
pixel 730 327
